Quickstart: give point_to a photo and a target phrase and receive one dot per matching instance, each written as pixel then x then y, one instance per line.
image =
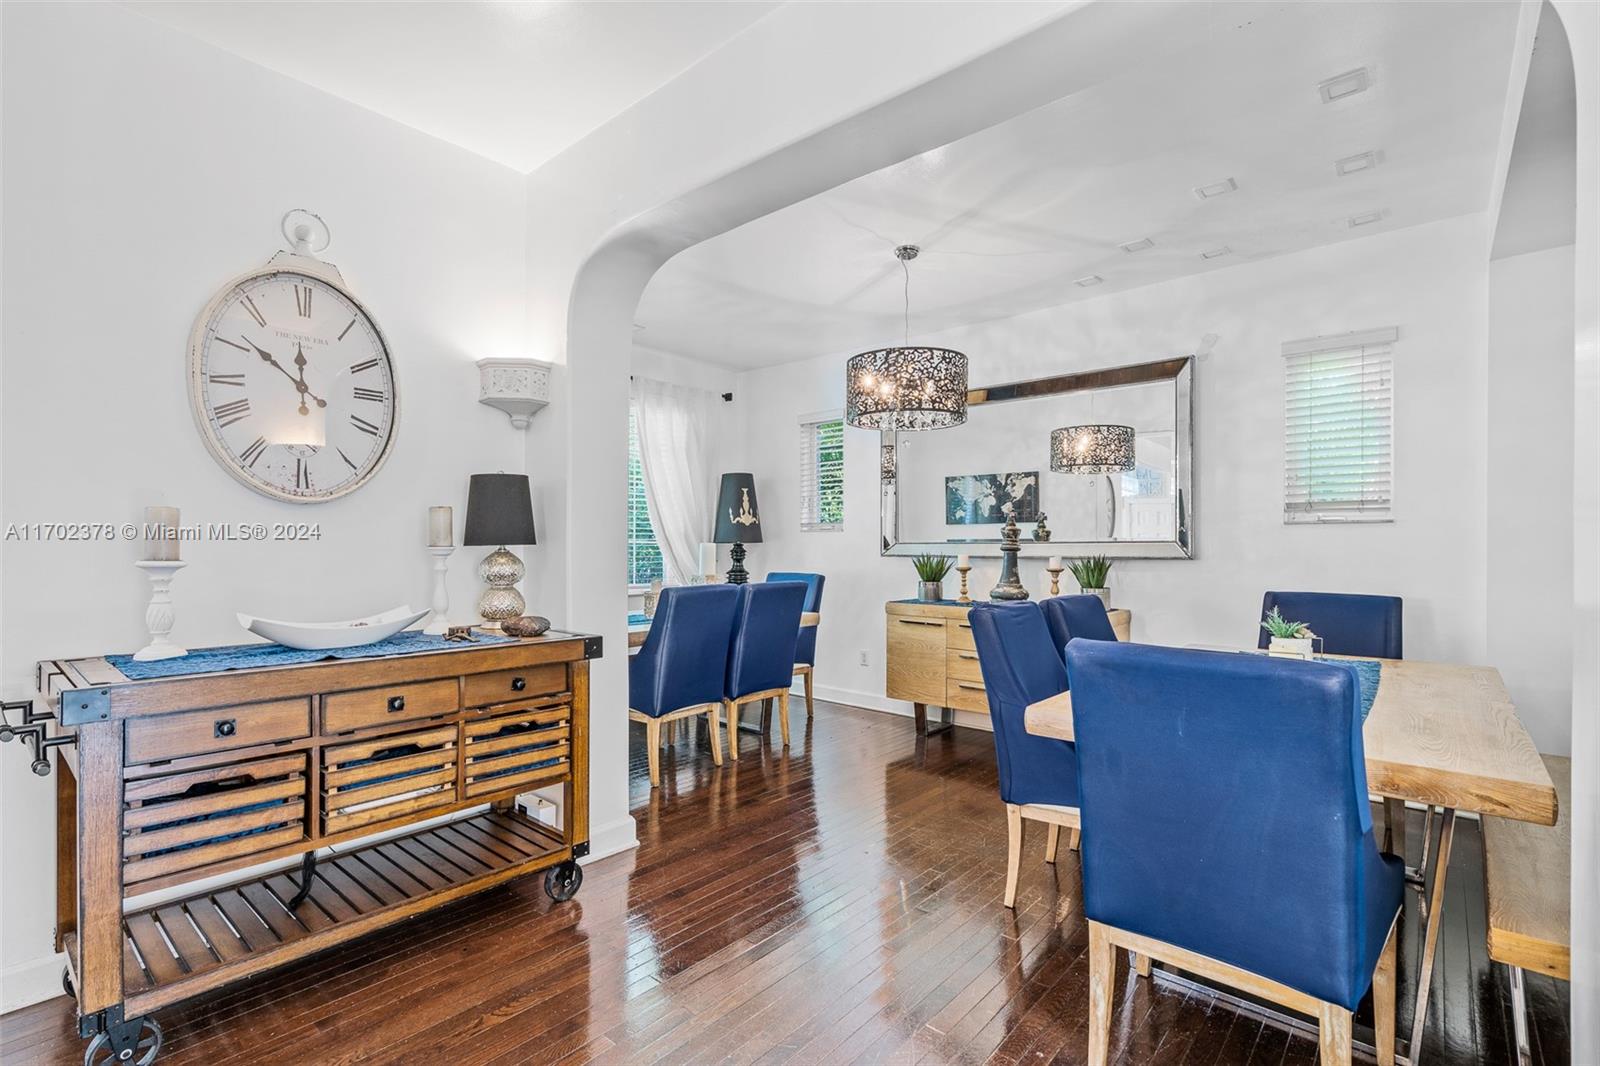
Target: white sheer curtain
pixel 671 422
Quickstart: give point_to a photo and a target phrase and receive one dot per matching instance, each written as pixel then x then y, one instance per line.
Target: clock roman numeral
pixel 232 411
pixel 302 300
pixel 375 395
pixel 368 365
pixel 364 426
pixel 302 475
pixel 346 329
pixel 346 458
pixel 250 306
pixel 228 379
pixel 231 344
pixel 254 451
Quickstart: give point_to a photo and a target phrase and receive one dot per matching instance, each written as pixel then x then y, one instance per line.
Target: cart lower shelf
pixel 187 946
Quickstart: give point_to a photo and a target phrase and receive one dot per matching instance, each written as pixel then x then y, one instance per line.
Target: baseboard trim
pixel 613 838
pixel 34 981
pixel 871 702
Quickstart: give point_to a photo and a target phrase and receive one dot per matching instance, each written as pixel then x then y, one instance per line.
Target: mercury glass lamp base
pixel 500 601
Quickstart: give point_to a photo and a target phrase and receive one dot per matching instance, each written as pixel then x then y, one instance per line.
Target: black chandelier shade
pixel 499 510
pixel 906 389
pixel 1099 449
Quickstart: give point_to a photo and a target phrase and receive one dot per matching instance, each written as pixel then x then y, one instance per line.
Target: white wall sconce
pixel 519 387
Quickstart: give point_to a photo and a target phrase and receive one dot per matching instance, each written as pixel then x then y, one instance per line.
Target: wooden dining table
pixel 1440 735
pixel 639 626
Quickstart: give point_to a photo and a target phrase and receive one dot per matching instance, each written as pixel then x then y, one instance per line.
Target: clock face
pixel 292 386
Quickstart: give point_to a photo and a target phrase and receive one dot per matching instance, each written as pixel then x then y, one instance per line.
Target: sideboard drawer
pixel 958 634
pixel 344 711
pixel 173 736
pixel 518 750
pixel 227 814
pixel 915 663
pixel 505 685
pixel 961 665
pixel 967 696
pixel 387 777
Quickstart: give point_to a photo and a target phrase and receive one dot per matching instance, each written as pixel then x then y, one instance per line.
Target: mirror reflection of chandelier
pixel 1094 449
pixel 906 388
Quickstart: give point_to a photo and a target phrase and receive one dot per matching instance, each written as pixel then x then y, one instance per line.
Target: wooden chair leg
pixel 1072 839
pixel 731 709
pixel 1102 978
pixel 1013 851
pixel 1141 964
pixel 652 737
pixel 783 716
pixel 1333 1035
pixel 1394 826
pixel 716 738
pixel 809 708
pixel 1383 999
pixel 1051 841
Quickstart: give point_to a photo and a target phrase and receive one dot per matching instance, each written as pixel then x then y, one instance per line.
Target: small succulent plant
pixel 932 567
pixel 1284 629
pixel 1091 572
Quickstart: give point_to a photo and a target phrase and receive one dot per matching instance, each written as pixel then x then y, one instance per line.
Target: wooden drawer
pixel 344 711
pixel 958 634
pixel 172 736
pixel 967 696
pixel 915 659
pixel 502 686
pixel 962 665
pixel 387 777
pixel 515 751
pixel 225 814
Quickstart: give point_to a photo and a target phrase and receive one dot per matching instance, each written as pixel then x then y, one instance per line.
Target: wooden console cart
pixel 175 780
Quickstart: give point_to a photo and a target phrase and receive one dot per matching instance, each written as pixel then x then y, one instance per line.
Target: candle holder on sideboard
pixel 439 624
pixel 964 571
pixel 1055 578
pixel 159 614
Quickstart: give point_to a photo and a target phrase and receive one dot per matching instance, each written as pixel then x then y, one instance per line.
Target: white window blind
pixel 644 555
pixel 1339 428
pixel 822 472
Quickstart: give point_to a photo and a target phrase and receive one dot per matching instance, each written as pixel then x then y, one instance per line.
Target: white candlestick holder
pixel 159 615
pixel 438 624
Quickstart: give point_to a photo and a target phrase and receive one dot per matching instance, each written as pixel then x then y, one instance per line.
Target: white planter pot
pixel 1290 647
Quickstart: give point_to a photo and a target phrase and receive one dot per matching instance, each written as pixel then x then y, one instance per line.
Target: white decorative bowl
pixel 323 636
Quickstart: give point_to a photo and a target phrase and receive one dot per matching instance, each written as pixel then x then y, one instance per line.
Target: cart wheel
pixel 66 983
pixel 561 883
pixel 135 1043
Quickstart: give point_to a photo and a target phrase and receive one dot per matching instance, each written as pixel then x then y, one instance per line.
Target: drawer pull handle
pixel 919 622
pixel 969 688
pixel 225 727
pixel 965 655
pixel 397 703
pixel 518 684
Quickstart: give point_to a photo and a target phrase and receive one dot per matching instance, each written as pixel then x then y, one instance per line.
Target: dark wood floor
pixel 840 903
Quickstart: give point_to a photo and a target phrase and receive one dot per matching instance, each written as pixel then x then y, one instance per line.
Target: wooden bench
pixel 1527 872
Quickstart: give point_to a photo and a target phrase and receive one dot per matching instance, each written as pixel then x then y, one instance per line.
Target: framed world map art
pixel 983 499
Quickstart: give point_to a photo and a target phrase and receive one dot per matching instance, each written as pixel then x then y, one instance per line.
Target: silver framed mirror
pixel 951 491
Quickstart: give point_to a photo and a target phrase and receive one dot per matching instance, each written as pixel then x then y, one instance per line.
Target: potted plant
pixel 1289 639
pixel 931 571
pixel 1091 574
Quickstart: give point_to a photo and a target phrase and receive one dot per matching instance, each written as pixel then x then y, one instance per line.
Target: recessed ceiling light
pixel 1137 246
pixel 1354 164
pixel 1365 219
pixel 1216 188
pixel 1346 84
pixel 1217 253
pixel 1092 279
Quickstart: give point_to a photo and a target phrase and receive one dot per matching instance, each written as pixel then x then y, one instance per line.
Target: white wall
pixel 1431 281
pixel 143 169
pixel 1529 498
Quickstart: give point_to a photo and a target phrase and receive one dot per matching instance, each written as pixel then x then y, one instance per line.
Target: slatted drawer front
pixel 517 750
pixel 388 777
pixel 172 736
pixel 183 821
pixel 502 686
pixel 345 711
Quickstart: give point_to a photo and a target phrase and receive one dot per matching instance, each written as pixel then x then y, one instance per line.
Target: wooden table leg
pixel 1430 938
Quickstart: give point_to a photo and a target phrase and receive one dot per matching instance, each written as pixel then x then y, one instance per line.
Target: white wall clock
pixel 291 382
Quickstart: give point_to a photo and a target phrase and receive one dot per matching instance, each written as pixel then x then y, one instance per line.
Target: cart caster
pixel 562 882
pixel 66 983
pixel 134 1043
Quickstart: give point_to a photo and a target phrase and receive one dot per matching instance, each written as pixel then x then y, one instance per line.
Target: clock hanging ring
pixel 291 382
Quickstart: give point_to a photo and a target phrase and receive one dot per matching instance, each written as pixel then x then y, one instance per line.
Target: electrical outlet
pixel 863 658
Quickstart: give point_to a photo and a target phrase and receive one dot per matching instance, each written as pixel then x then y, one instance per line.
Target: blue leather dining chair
pixel 1348 624
pixel 680 669
pixel 1226 831
pixel 1073 617
pixel 760 659
pixel 1038 775
pixel 805 649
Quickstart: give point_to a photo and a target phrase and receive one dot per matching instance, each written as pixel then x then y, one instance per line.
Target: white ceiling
pixel 514 80
pixel 1008 218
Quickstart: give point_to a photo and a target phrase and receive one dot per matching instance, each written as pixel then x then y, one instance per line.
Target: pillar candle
pixel 1055 562
pixel 708 559
pixel 962 561
pixel 161 534
pixel 441 528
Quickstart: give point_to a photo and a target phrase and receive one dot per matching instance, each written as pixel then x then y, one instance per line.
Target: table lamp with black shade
pixel 499 512
pixel 738 521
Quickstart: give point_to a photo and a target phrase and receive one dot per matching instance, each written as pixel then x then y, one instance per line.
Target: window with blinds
pixel 1339 428
pixel 644 556
pixel 822 473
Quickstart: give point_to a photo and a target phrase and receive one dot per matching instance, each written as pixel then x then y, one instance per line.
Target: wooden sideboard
pixel 932 662
pixel 175 780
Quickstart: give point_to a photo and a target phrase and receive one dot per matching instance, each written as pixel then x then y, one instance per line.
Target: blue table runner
pixel 254 656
